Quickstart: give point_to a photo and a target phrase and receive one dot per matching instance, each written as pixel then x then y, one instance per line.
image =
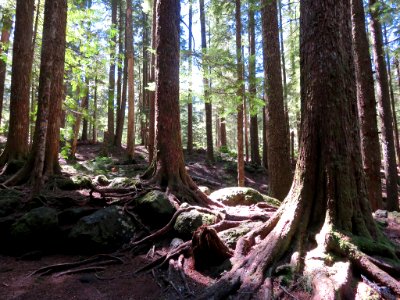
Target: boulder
pixel 187 222
pixel 380 214
pixel 36 229
pixel 74 183
pixel 106 229
pixel 73 214
pixel 154 208
pixel 124 182
pixel 232 235
pixel 101 180
pixel 233 196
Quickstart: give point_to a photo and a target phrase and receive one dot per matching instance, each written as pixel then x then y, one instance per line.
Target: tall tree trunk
pixel 152 94
pixel 280 177
pixel 370 148
pixel 50 87
pixel 190 100
pixel 78 120
pixel 85 111
pixel 121 53
pixel 255 153
pixel 206 84
pixel 265 140
pixel 18 133
pixel 145 104
pixel 240 94
pixel 385 112
pixel 51 164
pixel 4 45
pixel 168 167
pixel 222 129
pixel 328 193
pixel 94 138
pixel 392 100
pixel 131 90
pixel 111 78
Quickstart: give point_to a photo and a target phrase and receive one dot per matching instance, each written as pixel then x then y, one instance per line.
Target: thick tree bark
pixel 152 94
pixel 329 159
pixel 18 132
pixel 168 168
pixel 280 177
pixel 145 95
pixel 4 45
pixel 240 95
pixel 385 112
pixel 111 78
pixel 255 152
pixel 370 147
pixel 190 100
pixel 51 163
pixel 131 89
pixel 206 84
pixel 51 75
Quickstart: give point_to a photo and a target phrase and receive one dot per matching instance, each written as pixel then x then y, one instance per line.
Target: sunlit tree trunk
pixel 111 79
pixel 385 111
pixel 4 45
pixel 240 94
pixel 18 132
pixel 279 172
pixel 190 96
pixel 131 90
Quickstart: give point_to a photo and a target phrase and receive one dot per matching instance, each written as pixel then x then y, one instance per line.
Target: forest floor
pixel 119 281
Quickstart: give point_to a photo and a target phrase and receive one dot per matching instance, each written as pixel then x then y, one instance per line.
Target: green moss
pixel 187 222
pixel 232 235
pixel 74 183
pixel 124 182
pixel 271 201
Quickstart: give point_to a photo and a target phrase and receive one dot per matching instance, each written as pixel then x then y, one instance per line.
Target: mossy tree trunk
pixel 328 194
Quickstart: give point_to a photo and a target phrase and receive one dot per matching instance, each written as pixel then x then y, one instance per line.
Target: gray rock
pixel 154 208
pixel 206 190
pixel 124 182
pixel 74 183
pixel 187 222
pixel 380 213
pixel 233 196
pixel 106 229
pixel 232 235
pixel 101 180
pixel 73 214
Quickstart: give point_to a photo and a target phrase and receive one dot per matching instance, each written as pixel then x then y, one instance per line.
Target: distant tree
pixel 152 94
pixel 17 138
pixel 240 95
pixel 370 148
pixel 255 152
pixel 385 111
pixel 206 84
pixel 111 79
pixel 279 171
pixel 131 89
pixel 4 45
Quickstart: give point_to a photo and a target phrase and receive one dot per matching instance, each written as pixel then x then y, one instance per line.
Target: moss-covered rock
pixel 10 200
pixel 233 196
pixel 124 182
pixel 35 229
pixel 74 183
pixel 73 214
pixel 395 216
pixel 155 208
pixel 101 180
pixel 187 222
pixel 232 235
pixel 106 229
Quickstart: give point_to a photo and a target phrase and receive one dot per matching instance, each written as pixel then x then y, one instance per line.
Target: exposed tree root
pixel 338 243
pixel 208 249
pixel 92 263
